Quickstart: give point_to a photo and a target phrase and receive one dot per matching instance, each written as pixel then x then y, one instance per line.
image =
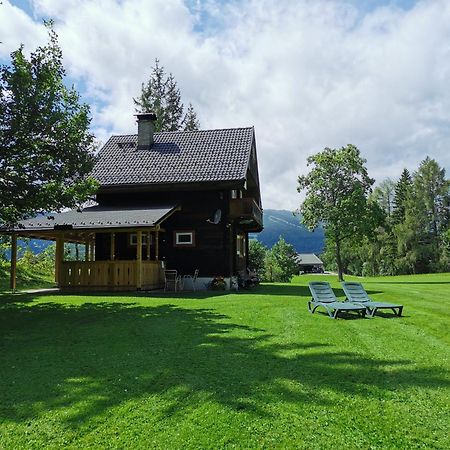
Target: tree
pixel 426 217
pixel 46 149
pixel 402 191
pixel 432 188
pixel 162 96
pixel 191 122
pixel 280 263
pixel 337 189
pixel 256 256
pixel 384 194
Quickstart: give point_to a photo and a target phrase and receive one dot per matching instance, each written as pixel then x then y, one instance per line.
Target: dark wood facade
pixel 184 201
pixel 219 248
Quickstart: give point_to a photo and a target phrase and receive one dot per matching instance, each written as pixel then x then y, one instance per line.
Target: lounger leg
pixel 309 308
pixel 400 310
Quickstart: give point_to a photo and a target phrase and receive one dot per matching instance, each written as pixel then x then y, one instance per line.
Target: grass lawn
pixel 246 370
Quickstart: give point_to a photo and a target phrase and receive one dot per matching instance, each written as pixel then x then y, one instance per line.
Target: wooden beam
pixel 13 278
pixel 86 251
pixel 92 252
pixel 148 245
pixel 156 246
pixel 139 259
pixel 112 254
pixel 59 257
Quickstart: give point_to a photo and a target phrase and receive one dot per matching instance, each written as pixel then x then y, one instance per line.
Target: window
pixel 133 239
pixel 236 193
pixel 184 239
pixel 240 245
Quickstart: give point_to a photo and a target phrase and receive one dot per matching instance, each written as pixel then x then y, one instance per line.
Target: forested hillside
pixel 284 223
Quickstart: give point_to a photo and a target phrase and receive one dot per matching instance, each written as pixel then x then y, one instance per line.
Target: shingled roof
pixel 176 157
pixel 98 217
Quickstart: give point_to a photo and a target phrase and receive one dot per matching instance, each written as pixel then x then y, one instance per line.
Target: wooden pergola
pixel 111 273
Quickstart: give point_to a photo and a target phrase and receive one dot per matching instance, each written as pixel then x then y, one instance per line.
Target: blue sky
pixel 307 74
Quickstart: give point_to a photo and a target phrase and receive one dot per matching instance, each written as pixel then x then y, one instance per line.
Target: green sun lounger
pixel 324 296
pixel 357 295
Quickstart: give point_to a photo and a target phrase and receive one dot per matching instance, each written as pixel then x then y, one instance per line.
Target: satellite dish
pixel 216 218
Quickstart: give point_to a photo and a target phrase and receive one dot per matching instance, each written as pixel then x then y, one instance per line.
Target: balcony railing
pixel 113 275
pixel 247 211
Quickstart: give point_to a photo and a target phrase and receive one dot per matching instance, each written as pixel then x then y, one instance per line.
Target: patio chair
pixel 192 278
pixel 324 296
pixel 171 280
pixel 357 295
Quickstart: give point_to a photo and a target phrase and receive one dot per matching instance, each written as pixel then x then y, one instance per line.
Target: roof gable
pixel 176 157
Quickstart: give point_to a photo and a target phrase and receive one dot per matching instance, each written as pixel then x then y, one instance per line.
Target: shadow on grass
pixel 86 359
pixel 407 282
pixel 294 289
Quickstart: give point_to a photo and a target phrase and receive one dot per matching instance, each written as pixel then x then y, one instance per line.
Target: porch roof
pixel 98 217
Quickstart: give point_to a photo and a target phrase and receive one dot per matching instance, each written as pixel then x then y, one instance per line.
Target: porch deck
pixel 110 275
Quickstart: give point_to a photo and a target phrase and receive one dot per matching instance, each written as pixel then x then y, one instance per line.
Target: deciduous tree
pixel 337 189
pixel 280 263
pixel 46 149
pixel 256 256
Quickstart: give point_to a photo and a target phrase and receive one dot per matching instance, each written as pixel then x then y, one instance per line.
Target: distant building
pixel 309 263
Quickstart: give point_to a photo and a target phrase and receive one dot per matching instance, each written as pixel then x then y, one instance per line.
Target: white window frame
pixel 190 243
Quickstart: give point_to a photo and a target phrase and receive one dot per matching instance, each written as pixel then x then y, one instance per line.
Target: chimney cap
pixel 146 116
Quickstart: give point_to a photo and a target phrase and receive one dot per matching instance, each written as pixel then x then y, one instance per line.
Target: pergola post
pixel 59 257
pixel 112 254
pixel 13 274
pixel 92 250
pixel 139 260
pixel 148 245
pixel 156 245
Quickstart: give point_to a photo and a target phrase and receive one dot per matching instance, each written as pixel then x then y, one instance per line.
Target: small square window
pixel 184 238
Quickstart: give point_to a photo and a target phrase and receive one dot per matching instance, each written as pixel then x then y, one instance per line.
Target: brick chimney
pixel 146 128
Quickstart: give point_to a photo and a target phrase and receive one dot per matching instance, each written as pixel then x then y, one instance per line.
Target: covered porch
pixel 111 268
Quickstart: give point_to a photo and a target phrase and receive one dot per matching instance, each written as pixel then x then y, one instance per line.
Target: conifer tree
pixel 190 121
pixel 174 107
pixel 161 95
pixel 402 190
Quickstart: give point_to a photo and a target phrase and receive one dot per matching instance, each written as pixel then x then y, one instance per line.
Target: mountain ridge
pixel 281 222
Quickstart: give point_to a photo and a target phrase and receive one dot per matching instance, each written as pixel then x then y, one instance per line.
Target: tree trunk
pixel 339 260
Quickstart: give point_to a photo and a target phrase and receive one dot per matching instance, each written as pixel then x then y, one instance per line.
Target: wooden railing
pixel 246 209
pixel 115 275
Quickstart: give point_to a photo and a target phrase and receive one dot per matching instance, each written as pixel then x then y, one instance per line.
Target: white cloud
pixel 307 74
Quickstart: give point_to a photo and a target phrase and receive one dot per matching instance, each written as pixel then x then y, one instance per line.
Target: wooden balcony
pixel 109 275
pixel 247 212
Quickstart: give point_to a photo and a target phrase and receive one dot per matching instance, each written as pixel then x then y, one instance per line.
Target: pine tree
pixel 402 191
pixel 162 96
pixel 152 97
pixel 190 121
pixel 174 107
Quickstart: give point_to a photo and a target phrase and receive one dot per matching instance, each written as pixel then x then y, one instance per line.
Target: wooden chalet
pixel 181 200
